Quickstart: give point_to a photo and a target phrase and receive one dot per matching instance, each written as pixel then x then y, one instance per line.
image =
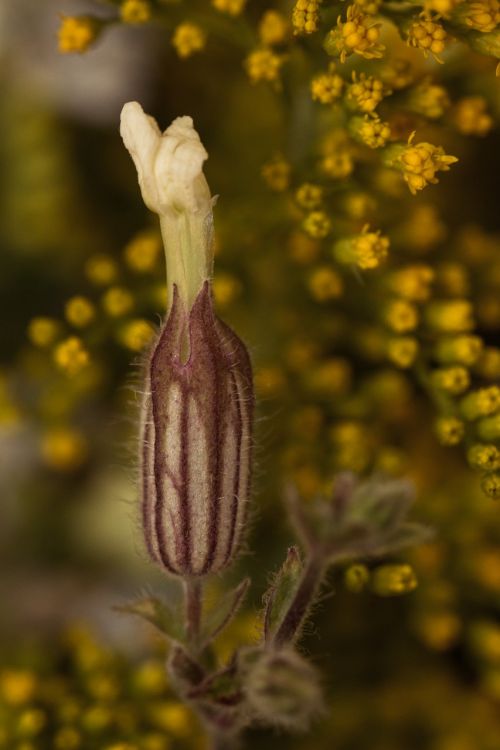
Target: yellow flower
pixel 327 87
pixel 101 269
pixel 337 161
pixel 488 364
pixel 173 717
pixel 366 250
pixel 31 722
pixel 309 196
pixel 357 34
pixel 481 403
pixel 150 678
pixel 135 11
pixel 276 174
pixel 484 457
pixel 401 316
pixel 77 33
pixel 43 332
pixel 356 578
pixel 263 65
pixel 188 38
pixel 428 99
pixel 305 16
pixel 393 580
pixel 491 486
pixel 273 28
pixel 325 284
pixel 317 224
pixel 365 92
pixel 142 251
pixel 71 356
pixel 450 316
pixel 443 8
pixel 471 117
pixel 412 282
pixel 483 15
pixel 428 35
pixel 231 7
pixel 117 301
pixel 371 130
pixel 420 162
pixel 17 686
pixel 402 350
pixel 79 311
pixel 137 334
pixel 454 380
pixel 64 449
pixel 331 377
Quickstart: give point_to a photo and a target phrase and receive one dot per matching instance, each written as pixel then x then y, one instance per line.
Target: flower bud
pixel 198 401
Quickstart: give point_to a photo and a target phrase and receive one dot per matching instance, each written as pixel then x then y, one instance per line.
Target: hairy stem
pixel 193 595
pixel 301 602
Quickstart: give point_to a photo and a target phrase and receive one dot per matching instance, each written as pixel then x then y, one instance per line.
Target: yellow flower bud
pixel 393 580
pixel 450 430
pixel 79 311
pixel 135 11
pixel 263 65
pixel 273 28
pixel 71 356
pixel 484 457
pixel 188 38
pixel 77 33
pixel 454 380
pixel 356 578
pixel 325 284
pixel 136 334
pixel 43 332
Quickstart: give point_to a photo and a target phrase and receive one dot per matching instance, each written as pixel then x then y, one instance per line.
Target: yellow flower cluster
pixel 135 11
pixel 454 380
pixel 79 311
pixel 327 87
pixel 365 92
pixel 471 117
pixel 231 7
pixel 77 33
pixel 371 130
pixel 356 35
pixel 64 449
pixel 412 282
pixel 450 430
pixel 71 356
pixel 317 224
pixel 309 196
pixel 273 28
pixel 483 16
pixel 402 350
pixel 263 65
pixel 427 34
pixel 366 250
pixel 305 16
pixel 325 284
pixel 393 580
pixel 428 99
pixel 421 161
pixel 188 38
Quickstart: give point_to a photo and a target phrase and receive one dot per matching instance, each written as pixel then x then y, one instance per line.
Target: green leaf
pixel 158 613
pixel 279 597
pixel 223 613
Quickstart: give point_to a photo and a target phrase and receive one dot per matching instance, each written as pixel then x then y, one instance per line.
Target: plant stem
pixel 192 593
pixel 302 601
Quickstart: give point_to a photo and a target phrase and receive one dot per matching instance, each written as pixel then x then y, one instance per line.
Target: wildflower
pixel 402 350
pixel 401 316
pixel 450 316
pixel 317 224
pixel 231 7
pixel 77 33
pixel 356 578
pixel 197 409
pixel 117 301
pixel 452 279
pixel 491 486
pixel 371 130
pixel 135 11
pixel 79 311
pixel 173 717
pixel 263 65
pixel 481 403
pixel 393 580
pixel 470 116
pixel 188 38
pixel 101 269
pixel 454 380
pixel 17 686
pixel 42 332
pixel 420 162
pixel 365 92
pixel 412 282
pixel 366 250
pixel 31 722
pixel 273 28
pixel 305 16
pixel 71 356
pixel 270 380
pixel 460 349
pixel 63 449
pixel 488 364
pixel 442 8
pixel 309 196
pixel 369 6
pixel 483 15
pixel 484 457
pixel 428 99
pixel 357 34
pixel 428 35
pixel 331 377
pixel 276 174
pixel 327 87
pixel 136 334
pixel 337 164
pixel 142 252
pixel 325 284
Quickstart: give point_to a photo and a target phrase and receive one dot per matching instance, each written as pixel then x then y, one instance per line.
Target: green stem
pixel 193 602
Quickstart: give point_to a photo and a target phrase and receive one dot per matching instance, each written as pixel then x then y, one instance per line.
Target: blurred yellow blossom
pixel 188 38
pixel 77 33
pixel 135 11
pixel 64 448
pixel 71 356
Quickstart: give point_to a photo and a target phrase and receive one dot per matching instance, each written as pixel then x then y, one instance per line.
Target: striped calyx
pixel 196 440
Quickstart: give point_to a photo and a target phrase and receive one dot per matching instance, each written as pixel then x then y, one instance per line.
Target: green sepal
pixel 158 613
pixel 279 596
pixel 222 614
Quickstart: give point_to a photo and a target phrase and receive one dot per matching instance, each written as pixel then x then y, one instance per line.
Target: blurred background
pixel 82 291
